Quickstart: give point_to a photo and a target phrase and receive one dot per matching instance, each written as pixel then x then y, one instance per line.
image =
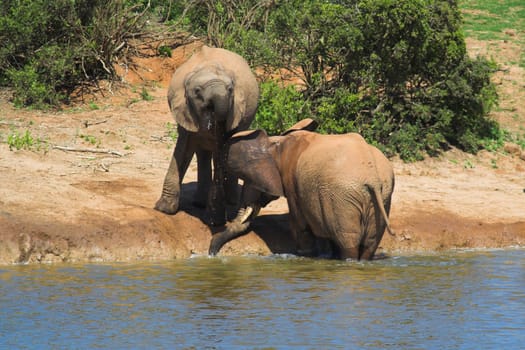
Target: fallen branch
pixel 88 150
pixel 9 122
pixel 87 123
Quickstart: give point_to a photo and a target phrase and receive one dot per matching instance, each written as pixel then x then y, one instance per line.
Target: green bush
pixel 396 71
pixel 49 48
pixel 25 140
pixel 279 108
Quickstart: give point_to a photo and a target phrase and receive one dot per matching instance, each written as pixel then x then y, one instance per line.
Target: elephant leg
pixel 373 236
pixel 203 178
pixel 305 241
pixel 369 250
pixel 231 189
pixel 325 248
pixel 348 244
pixel 182 154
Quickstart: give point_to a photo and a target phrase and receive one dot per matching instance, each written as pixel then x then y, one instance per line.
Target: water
pixel 465 300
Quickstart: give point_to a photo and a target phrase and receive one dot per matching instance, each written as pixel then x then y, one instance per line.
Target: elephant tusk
pixel 244 214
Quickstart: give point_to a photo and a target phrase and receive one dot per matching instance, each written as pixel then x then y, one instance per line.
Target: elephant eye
pixel 197 91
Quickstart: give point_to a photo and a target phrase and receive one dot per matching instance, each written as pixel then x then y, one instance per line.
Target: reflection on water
pixel 466 300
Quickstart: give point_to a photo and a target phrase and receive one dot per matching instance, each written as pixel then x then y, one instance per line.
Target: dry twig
pixel 88 150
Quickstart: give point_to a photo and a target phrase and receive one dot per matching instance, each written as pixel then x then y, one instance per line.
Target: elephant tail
pixel 375 192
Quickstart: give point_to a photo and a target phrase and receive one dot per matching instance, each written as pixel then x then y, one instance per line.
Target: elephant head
pixel 209 99
pixel 254 157
pixel 338 188
pixel 214 85
pixel 211 95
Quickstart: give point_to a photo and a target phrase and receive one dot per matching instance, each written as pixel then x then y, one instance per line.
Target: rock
pixel 512 148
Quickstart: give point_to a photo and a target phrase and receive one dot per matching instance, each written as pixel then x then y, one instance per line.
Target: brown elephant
pixel 338 188
pixel 211 96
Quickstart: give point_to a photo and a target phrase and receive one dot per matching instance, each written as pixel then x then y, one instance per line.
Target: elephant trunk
pixel 217 106
pixel 234 229
pixel 220 104
pixel 217 196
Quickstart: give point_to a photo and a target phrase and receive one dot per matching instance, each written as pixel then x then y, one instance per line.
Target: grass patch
pixel 490 20
pixel 24 141
pixel 90 139
pixel 145 95
pixel 171 131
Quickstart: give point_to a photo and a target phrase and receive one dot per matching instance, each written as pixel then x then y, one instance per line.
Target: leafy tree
pixel 280 107
pixel 396 71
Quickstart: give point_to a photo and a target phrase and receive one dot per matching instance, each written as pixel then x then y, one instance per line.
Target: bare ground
pixel 66 205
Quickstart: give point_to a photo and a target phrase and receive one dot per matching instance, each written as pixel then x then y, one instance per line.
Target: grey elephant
pixel 211 96
pixel 338 188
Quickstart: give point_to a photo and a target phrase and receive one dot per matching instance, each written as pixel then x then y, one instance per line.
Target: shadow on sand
pixel 273 229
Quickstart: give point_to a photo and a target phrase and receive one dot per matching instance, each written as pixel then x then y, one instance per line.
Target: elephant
pixel 211 96
pixel 338 188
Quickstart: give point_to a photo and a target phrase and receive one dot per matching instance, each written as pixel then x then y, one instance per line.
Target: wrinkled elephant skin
pixel 212 95
pixel 338 189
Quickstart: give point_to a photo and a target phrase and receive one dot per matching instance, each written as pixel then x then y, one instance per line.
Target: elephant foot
pixel 167 206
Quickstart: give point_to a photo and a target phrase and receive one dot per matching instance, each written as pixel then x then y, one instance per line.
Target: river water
pixel 461 300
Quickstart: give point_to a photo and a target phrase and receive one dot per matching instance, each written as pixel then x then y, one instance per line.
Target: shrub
pixel 51 47
pixel 165 51
pixel 25 140
pixel 396 71
pixel 279 108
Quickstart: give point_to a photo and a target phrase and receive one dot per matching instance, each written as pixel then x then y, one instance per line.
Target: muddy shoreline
pixel 91 199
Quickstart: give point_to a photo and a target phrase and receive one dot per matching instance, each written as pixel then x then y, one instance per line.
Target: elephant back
pixel 338 161
pixel 246 89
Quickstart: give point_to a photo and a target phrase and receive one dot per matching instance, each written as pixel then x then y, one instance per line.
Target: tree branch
pixel 88 150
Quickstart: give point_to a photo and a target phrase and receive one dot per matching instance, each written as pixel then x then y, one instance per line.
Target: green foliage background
pixel 49 48
pixel 396 71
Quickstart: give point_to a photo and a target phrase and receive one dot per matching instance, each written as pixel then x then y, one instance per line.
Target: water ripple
pixel 464 300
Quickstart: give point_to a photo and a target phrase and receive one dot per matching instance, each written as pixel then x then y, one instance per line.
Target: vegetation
pixel 396 71
pixel 171 132
pixel 23 140
pixel 50 48
pixel 490 20
pixel 280 107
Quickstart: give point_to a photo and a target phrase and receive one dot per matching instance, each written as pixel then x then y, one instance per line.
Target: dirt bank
pixel 67 205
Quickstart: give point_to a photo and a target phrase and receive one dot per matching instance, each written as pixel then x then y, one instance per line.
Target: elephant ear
pixel 307 124
pixel 250 159
pixel 178 105
pixel 239 109
pixel 239 104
